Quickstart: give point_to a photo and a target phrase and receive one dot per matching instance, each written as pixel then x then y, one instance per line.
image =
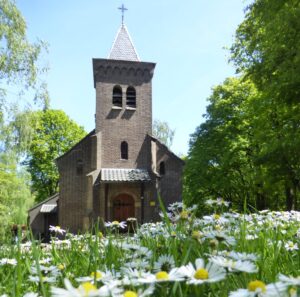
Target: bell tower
pixel 123 104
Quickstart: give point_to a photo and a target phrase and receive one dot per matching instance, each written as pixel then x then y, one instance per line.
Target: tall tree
pixel 19 58
pixel 54 133
pixel 220 161
pixel 267 50
pixel 163 132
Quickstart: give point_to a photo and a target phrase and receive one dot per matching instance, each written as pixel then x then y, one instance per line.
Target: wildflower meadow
pixel 221 254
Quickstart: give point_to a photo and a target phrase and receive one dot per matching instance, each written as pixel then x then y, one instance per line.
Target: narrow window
pixel 117 96
pixel 79 167
pixel 124 150
pixel 131 97
pixel 162 169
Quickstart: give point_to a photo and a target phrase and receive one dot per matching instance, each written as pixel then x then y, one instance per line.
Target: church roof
pixel 123 48
pixel 124 175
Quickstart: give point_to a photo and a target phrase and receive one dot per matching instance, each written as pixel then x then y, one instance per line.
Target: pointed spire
pixel 123 48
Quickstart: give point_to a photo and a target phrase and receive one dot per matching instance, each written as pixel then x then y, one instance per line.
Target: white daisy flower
pixel 260 289
pixel 242 256
pixel 7 261
pixel 116 224
pixel 57 229
pixel 290 246
pixel 86 290
pixel 232 265
pixel 44 279
pixel 289 280
pixel 164 263
pixel 138 293
pixel 162 276
pixel 98 276
pixel 201 274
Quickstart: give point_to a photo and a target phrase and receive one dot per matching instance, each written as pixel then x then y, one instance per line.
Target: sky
pixel 186 39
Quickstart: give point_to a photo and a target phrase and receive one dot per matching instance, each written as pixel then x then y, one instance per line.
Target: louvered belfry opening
pixel 117 96
pixel 124 150
pixel 131 97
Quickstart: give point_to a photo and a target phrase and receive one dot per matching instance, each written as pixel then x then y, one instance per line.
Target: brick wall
pixel 117 125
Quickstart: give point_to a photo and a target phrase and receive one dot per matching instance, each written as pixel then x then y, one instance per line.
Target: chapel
pixel 119 169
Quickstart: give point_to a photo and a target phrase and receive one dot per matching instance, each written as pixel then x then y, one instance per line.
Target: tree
pixel 19 59
pixel 220 159
pixel 162 131
pixel 15 196
pixel 54 133
pixel 266 50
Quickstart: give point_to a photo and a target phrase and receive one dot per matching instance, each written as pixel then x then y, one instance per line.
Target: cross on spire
pixel 123 9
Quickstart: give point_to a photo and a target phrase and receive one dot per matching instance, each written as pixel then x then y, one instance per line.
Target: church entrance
pixel 123 207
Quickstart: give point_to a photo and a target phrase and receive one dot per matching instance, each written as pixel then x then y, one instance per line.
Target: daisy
pixel 202 274
pixel 116 224
pixel 45 279
pixel 161 276
pixel 231 265
pixel 98 276
pixel 6 261
pixel 260 289
pixel 164 263
pixel 290 246
pixel 138 293
pixel 85 290
pixel 289 280
pixel 57 229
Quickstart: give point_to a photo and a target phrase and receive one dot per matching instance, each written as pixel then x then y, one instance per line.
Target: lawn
pixel 221 254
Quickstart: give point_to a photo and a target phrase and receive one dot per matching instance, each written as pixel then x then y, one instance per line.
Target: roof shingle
pixel 122 174
pixel 123 48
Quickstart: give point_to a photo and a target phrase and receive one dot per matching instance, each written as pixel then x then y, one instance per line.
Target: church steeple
pixel 123 48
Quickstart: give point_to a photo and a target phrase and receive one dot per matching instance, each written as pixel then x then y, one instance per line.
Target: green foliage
pixel 18 57
pixel 248 147
pixel 54 133
pixel 162 131
pixel 220 161
pixel 15 195
pixel 267 48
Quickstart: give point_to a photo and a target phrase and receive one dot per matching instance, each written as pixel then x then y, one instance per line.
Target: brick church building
pixel 119 169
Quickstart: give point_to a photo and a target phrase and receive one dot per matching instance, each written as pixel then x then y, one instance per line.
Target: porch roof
pixel 48 208
pixel 124 175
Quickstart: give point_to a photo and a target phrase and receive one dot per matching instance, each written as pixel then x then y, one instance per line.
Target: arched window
pixel 162 168
pixel 131 97
pixel 117 96
pixel 79 167
pixel 124 150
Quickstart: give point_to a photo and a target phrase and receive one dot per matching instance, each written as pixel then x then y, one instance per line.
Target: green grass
pixel 183 237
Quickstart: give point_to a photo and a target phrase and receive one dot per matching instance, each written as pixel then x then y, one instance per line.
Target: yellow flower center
pixel 216 216
pixel 162 275
pixel 100 234
pixel 98 275
pixel 130 294
pixel 87 288
pixel 201 274
pixel 61 267
pixel 115 223
pixel 254 285
pixel 196 234
pixel 184 214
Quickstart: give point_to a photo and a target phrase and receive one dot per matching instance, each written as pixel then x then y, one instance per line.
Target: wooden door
pixel 123 207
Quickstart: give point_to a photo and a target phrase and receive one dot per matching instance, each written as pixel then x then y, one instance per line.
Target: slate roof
pixel 48 208
pixel 123 48
pixel 124 175
pixel 51 200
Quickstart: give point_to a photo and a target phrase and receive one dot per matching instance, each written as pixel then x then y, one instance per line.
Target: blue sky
pixel 185 38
